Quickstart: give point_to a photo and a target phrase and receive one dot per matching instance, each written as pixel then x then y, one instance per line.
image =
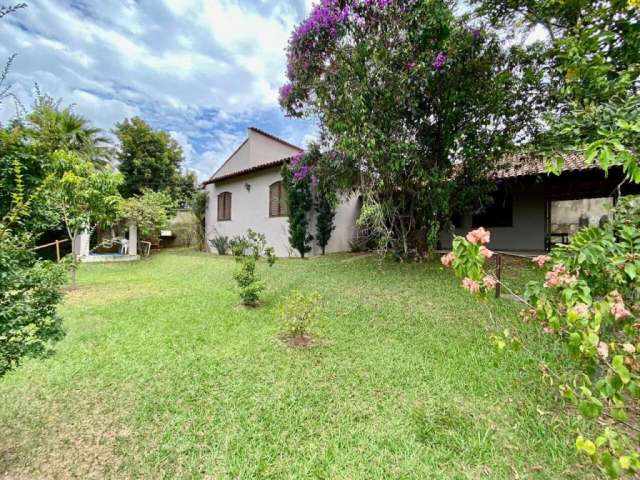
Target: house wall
pixel 240 160
pixel 250 209
pixel 527 232
pixel 265 150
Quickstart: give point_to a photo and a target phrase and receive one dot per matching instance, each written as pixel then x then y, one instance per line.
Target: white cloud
pixel 202 69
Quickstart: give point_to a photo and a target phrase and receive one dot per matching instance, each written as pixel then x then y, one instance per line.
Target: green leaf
pixel 619 367
pixel 630 270
pixel 586 446
pixel 590 408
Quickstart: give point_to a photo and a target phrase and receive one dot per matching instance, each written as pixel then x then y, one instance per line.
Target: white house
pixel 529 212
pixel 247 192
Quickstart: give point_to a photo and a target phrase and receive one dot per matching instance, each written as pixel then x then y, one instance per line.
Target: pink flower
pixel 470 285
pixel 485 252
pixel 489 282
pixel 541 260
pixel 558 276
pixel 603 350
pixel 448 259
pixel 619 311
pixel 581 310
pixel 479 236
pixel 551 280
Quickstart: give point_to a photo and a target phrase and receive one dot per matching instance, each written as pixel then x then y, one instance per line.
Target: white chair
pixel 124 247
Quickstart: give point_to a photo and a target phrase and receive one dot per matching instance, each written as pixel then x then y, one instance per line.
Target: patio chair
pixel 124 247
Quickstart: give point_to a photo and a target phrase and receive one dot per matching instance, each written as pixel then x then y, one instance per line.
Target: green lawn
pixel 163 375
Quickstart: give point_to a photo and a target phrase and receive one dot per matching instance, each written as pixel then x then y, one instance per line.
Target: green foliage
pixel 593 72
pixel 29 295
pixel 199 202
pixel 247 250
pixel 83 194
pixel 29 288
pixel 300 202
pixel 299 312
pixel 325 197
pixel 404 92
pixel 149 159
pixel 150 211
pixel 591 299
pixel 54 128
pixel 220 243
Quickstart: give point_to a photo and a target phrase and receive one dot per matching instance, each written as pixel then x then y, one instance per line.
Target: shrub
pixel 29 294
pixel 220 243
pixel 299 313
pixel 247 250
pixel 590 299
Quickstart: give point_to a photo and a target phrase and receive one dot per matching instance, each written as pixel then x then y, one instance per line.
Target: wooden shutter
pixel 277 200
pixel 274 200
pixel 224 206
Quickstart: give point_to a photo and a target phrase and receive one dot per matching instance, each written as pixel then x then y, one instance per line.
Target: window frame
pixel 226 198
pixel 282 200
pixel 495 215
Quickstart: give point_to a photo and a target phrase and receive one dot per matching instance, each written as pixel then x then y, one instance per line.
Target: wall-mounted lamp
pixel 247 186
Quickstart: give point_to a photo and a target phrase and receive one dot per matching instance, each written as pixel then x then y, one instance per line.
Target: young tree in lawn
pixel 297 179
pixel 149 159
pixel 405 91
pixel 84 195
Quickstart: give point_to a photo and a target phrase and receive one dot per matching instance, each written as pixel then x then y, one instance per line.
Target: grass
pixel 163 375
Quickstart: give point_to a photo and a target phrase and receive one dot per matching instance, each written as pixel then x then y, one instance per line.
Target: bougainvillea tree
pixel 590 299
pixel 420 103
pixel 297 177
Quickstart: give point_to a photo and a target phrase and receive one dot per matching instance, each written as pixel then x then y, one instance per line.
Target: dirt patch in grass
pixel 297 341
pixel 80 444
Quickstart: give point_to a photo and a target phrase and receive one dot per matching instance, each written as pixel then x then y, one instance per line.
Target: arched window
pixel 224 206
pixel 278 200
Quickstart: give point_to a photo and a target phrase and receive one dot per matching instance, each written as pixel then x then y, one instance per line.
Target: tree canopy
pixel 151 159
pixel 420 103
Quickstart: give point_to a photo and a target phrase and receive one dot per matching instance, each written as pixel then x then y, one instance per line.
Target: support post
pixel 58 251
pixel 498 273
pixel 133 238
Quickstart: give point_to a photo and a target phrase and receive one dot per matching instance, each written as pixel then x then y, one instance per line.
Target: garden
pixel 394 362
pixel 163 374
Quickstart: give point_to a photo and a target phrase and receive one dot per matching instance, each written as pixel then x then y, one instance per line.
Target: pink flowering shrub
pixel 589 299
pixel 468 260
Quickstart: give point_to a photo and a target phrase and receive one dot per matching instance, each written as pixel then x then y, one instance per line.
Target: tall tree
pixel 55 128
pixel 593 70
pixel 148 159
pixel 420 102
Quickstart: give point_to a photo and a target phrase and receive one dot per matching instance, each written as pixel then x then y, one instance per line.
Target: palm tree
pixel 61 129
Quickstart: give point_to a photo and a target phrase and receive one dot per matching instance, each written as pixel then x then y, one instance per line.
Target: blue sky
pixel 204 70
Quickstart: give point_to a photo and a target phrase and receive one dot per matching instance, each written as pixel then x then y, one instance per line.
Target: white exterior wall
pixel 250 209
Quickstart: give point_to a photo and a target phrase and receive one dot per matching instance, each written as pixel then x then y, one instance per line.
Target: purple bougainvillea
pixel 285 91
pixel 324 17
pixel 439 62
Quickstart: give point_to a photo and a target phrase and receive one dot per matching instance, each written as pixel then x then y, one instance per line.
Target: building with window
pixel 531 209
pixel 247 192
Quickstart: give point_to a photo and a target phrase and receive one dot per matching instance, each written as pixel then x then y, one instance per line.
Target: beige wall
pixel 527 232
pixel 266 150
pixel 250 209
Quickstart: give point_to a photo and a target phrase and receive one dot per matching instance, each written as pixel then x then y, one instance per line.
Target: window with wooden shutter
pixel 224 206
pixel 278 200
